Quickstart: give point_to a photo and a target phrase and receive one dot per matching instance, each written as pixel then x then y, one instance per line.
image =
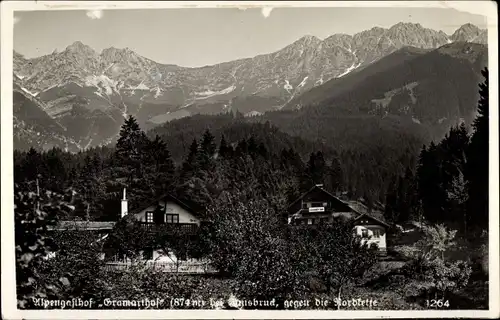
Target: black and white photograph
pixel 250 159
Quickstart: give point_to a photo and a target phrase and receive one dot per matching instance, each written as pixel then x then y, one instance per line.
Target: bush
pixel 429 264
pixel 248 245
pixel 77 258
pixel 33 215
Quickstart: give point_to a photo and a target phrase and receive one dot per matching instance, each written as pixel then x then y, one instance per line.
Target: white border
pixel 9 311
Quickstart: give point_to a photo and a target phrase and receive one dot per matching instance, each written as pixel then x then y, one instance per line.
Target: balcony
pixel 171 228
pixel 318 215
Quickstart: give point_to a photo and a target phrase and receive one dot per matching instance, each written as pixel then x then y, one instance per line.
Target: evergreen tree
pixel 334 182
pixel 454 147
pixel 242 148
pixel 162 168
pixel 391 210
pixel 207 151
pixel 477 172
pixel 316 168
pixel 224 149
pixel 262 151
pixel 131 148
pixel 190 165
pixel 430 183
pixel 252 147
pixel 33 166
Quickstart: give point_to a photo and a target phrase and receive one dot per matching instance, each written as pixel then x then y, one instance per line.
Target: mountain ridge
pixel 97 90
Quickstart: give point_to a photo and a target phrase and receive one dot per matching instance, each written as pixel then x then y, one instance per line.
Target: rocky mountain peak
pixel 114 55
pixel 467 32
pixel 118 81
pixel 468 26
pixel 406 26
pixel 308 40
pixel 79 47
pixel 339 39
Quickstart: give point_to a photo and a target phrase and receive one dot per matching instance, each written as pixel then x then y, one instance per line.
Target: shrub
pixel 33 215
pixel 248 245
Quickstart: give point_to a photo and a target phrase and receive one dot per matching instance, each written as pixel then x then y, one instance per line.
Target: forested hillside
pixel 209 154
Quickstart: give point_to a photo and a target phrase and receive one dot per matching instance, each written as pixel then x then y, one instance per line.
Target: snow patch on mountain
pixel 350 69
pixel 141 86
pixel 415 120
pixel 52 87
pixel 29 92
pixel 20 77
pixel 287 86
pixel 303 82
pixel 102 82
pixel 108 68
pixel 158 92
pixel 209 93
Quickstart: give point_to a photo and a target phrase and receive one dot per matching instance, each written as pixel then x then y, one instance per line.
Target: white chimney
pixel 124 204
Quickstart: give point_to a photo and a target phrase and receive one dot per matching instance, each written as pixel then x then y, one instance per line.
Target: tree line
pixel 449 184
pixel 146 165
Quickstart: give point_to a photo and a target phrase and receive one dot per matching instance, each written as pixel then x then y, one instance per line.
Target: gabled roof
pixel 316 187
pixel 348 204
pixel 83 225
pixel 373 218
pixel 164 197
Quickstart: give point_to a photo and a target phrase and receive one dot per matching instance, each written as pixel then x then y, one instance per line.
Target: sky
pixel 206 36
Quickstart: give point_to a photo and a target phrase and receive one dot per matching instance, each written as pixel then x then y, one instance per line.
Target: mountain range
pixel 78 98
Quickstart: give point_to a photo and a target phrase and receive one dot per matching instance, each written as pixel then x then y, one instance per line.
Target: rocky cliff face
pixel 89 93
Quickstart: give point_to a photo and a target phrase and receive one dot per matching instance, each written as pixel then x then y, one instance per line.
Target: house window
pixel 317 204
pixel 149 217
pixel 172 218
pixel 376 233
pixel 364 233
pixel 147 254
pixel 309 221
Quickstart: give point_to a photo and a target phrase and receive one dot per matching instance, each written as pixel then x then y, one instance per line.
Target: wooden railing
pixel 185 228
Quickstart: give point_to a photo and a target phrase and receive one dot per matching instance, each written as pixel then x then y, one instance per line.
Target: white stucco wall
pixel 171 208
pixel 380 241
pixel 184 215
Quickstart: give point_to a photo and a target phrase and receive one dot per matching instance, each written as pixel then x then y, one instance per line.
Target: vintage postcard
pixel 243 160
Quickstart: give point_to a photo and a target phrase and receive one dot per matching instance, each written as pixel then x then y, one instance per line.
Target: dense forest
pixel 98 174
pixel 450 182
pixel 198 158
